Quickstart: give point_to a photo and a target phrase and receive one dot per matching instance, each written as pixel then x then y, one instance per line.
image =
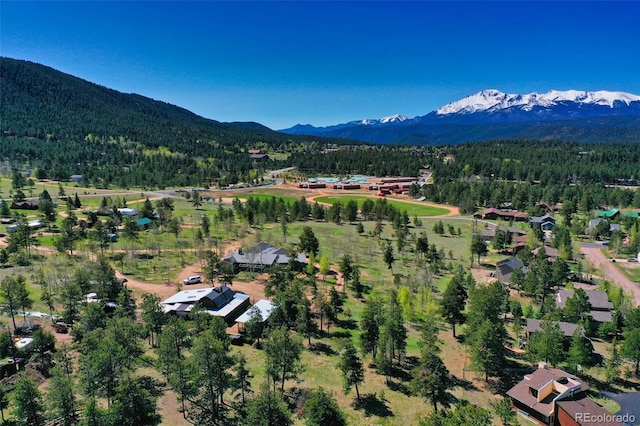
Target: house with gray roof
pixel 593 224
pixel 601 307
pixel 260 257
pixel 505 268
pixel 545 222
pixel 567 328
pixel 218 301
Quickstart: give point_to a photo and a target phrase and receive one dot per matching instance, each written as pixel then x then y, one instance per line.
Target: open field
pixel 412 208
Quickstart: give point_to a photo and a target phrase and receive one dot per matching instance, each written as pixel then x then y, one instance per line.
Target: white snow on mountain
pixel 384 120
pixel 493 100
pixel 392 119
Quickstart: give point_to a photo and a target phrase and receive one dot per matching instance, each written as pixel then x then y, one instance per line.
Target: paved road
pixel 609 270
pixel 629 404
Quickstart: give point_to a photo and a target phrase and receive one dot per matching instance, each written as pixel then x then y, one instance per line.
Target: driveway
pixel 609 270
pixel 629 404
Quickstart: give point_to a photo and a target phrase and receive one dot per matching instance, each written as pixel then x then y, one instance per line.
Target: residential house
pixel 549 396
pixel 505 268
pixel 550 252
pixel 583 411
pixel 259 157
pixel 125 211
pixel 592 225
pixel 567 328
pixel 608 214
pixel 260 257
pixel 144 222
pixel 552 208
pixel 33 225
pixel 601 307
pixel 494 214
pixel 218 301
pixel 25 205
pixel 265 307
pixel 545 222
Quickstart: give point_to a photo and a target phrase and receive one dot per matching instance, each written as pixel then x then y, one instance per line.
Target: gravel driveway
pixel 610 272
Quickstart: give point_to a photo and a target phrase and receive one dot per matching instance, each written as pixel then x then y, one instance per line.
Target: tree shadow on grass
pixel 464 384
pixel 399 387
pixel 341 334
pixel 321 348
pixel 349 324
pixel 373 406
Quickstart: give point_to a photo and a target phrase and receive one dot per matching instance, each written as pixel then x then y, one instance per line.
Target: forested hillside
pixel 112 138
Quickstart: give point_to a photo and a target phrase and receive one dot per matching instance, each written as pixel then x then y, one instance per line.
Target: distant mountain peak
pixel 396 118
pixel 493 100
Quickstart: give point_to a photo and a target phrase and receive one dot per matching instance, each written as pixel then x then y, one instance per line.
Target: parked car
pixel 632 259
pixel 194 279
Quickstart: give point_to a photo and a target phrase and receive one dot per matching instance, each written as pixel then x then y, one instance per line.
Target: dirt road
pixel 610 272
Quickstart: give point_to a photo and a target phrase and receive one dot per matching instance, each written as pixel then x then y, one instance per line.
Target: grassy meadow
pixel 412 208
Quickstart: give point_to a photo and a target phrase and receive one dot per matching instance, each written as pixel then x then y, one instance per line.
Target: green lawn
pixel 265 197
pixel 632 274
pixel 411 208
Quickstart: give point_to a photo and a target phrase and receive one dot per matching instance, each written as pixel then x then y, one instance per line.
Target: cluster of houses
pixel 221 301
pixel 550 396
pixel 383 186
pixel 601 307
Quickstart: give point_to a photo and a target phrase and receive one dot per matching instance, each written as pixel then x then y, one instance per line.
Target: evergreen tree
pixel 13 292
pixel 388 256
pixel 546 345
pixel 505 412
pixel 487 348
pixel 134 405
pixel 352 369
pixel 579 350
pixel 173 343
pixel 60 396
pixel 308 242
pixel 29 408
pixel 631 347
pixel 305 324
pixel 454 300
pixel 372 317
pixel 241 379
pixel 431 380
pixel 612 362
pixel 321 409
pixel 268 409
pixel 211 362
pixel 283 353
pixel 478 247
pixel 153 317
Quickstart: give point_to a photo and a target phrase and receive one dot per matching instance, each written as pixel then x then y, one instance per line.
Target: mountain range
pixel 600 116
pixel 39 101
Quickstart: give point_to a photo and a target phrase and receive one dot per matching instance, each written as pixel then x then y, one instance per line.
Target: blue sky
pixel 282 63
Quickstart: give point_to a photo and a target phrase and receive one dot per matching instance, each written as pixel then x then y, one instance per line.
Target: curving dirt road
pixel 610 272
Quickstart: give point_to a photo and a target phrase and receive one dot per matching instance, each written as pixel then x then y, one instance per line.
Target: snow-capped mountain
pixel 491 114
pixel 493 100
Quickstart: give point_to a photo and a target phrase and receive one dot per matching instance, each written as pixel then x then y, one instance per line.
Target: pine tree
pixel 352 369
pixel 29 408
pixel 454 300
pixel 579 350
